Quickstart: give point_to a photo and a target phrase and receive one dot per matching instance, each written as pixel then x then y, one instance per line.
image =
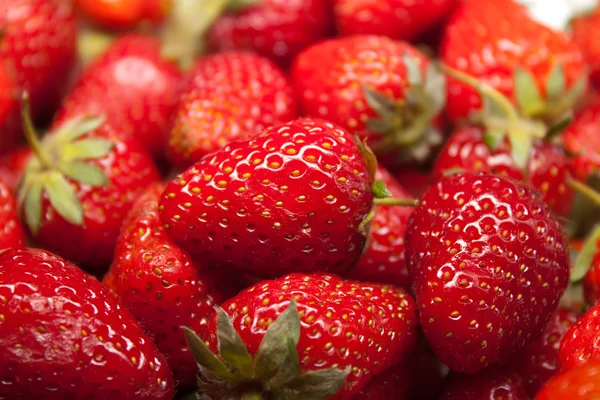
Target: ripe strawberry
pixel 581 383
pixel 497 42
pixel 383 261
pixel 77 190
pixel 332 334
pixel 396 19
pixel 64 336
pixel 288 200
pixel 161 285
pixel 491 383
pixel 12 165
pixel 549 169
pixel 383 90
pixel 580 344
pixel 538 362
pixel 37 51
pixel 591 282
pixel 585 30
pixel 133 87
pixel 582 138
pixel 228 97
pixel 11 233
pixel 488 263
pixel 123 14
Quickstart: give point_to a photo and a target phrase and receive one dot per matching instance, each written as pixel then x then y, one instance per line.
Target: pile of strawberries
pixel 298 200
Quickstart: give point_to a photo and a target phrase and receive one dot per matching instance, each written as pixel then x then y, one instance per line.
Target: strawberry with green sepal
pixel 77 189
pixel 11 233
pixel 305 336
pixel 396 19
pixel 488 263
pixel 133 87
pixel 384 90
pixel 34 56
pixel 582 383
pixel 491 383
pixel 293 199
pixel 227 97
pixel 497 42
pixel 60 328
pixel 162 286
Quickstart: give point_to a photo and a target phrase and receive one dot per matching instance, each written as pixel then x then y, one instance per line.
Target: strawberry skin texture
pixel 62 329
pixel 130 170
pixel 585 31
pixel 132 87
pixel 368 327
pixel 123 14
pixel 227 97
pixel 12 165
pixel 490 39
pixel 383 261
pixel 50 41
pixel 538 362
pixel 289 200
pixel 396 19
pixel 591 281
pixel 161 286
pixel 11 233
pixel 580 344
pixel 491 383
pixel 488 263
pixel 549 167
pixel 582 138
pixel 277 29
pixel 582 383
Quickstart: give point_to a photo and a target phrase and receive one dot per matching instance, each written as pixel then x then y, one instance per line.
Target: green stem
pixel 585 190
pixel 31 134
pixel 253 396
pixel 393 201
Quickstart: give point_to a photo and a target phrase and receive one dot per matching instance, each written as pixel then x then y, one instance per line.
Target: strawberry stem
pixel 31 134
pixel 393 201
pixel 585 190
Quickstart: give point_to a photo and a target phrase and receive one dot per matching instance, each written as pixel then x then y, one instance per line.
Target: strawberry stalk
pixel 585 190
pixel 31 134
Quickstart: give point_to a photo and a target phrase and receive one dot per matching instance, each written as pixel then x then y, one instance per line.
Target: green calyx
pixel 584 259
pixel 406 126
pixel 274 373
pixel 62 156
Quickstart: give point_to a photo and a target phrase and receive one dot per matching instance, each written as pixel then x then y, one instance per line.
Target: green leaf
pixel 33 207
pixel 379 102
pixel 586 256
pixel 368 156
pixel 576 91
pixel 491 108
pixel 528 96
pixel 231 347
pixel 413 71
pixel 317 385
pixel 203 356
pixel 378 125
pixel 556 83
pixel 559 128
pixel 435 88
pixel 494 138
pixel 273 351
pixel 85 173
pixel 380 190
pixel 76 127
pixel 63 198
pixel 521 145
pixel 87 149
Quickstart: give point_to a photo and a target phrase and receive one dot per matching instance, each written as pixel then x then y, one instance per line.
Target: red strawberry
pixel 497 42
pixel 229 96
pixel 585 30
pixel 123 14
pixel 7 92
pixel 580 344
pixel 549 169
pixel 11 233
pixel 488 263
pixel 37 50
pixel 397 19
pixel 291 199
pixel 538 362
pixel 383 261
pixel 582 138
pixel 64 336
pixel 79 187
pixel 591 282
pixel 334 334
pixel 133 87
pixel 491 383
pixel 161 285
pixel 12 165
pixel 384 90
pixel 582 383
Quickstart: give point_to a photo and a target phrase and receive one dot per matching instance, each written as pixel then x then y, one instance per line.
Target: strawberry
pixel 396 19
pixel 161 285
pixel 549 169
pixel 306 336
pixel 542 71
pixel 580 343
pixel 384 90
pixel 75 193
pixel 37 51
pixel 383 261
pixel 585 29
pixel 491 383
pixel 582 138
pixel 61 329
pixel 228 96
pixel 133 87
pixel 12 165
pixel 581 383
pixel 538 361
pixel 591 282
pixel 11 233
pixel 488 263
pixel 123 14
pixel 291 199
